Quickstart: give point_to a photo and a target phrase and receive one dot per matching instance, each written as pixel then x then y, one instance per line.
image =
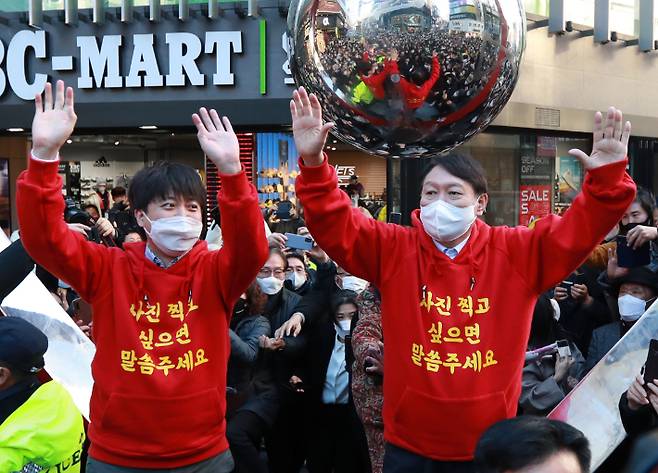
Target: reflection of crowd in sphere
pixel 379 117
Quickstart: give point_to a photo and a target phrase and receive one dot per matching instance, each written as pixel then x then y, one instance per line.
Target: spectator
pixel 437 392
pixel 249 384
pixel 285 441
pixel 548 380
pixel 368 373
pixel 286 219
pixel 120 214
pixel 355 187
pixel 634 293
pixel 40 426
pixel 339 443
pixel 533 444
pixel 101 199
pixel 93 212
pixel 298 278
pixel 161 306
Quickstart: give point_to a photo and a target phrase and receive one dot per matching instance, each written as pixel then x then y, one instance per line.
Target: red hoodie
pixel 415 95
pixel 456 330
pixel 162 343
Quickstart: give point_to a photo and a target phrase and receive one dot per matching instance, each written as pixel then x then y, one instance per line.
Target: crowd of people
pixel 437 347
pixel 412 83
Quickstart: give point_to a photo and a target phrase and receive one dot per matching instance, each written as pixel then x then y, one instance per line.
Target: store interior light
pixel 116 143
pixel 148 127
pixel 333 149
pixel 69 141
pixel 15 130
pixel 335 141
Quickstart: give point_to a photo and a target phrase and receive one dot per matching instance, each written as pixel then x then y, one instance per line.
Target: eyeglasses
pixel 267 272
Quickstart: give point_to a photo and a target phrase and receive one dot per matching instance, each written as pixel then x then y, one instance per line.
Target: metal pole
pixel 602 21
pixel 183 10
pixel 646 25
pixel 99 12
pixel 35 13
pixel 556 16
pixel 154 10
pixel 252 7
pixel 126 11
pixel 213 9
pixel 71 12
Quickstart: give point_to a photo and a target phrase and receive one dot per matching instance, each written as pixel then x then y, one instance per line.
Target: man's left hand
pixel 610 141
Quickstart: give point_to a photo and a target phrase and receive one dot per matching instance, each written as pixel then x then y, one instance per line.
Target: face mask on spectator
pixel 631 308
pixel 446 222
pixel 175 234
pixel 343 328
pixel 270 285
pixel 352 283
pixel 296 279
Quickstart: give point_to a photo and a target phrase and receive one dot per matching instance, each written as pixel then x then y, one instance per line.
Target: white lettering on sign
pixel 528 196
pixel 3 78
pixel 20 43
pixel 223 41
pixel 103 62
pixel 101 66
pixel 344 173
pixel 182 61
pixel 144 60
pixel 285 44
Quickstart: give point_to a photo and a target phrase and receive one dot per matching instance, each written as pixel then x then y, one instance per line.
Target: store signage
pixel 129 74
pixel 535 203
pixel 344 173
pixel 98 60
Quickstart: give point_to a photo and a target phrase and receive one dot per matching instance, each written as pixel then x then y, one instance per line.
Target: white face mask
pixel 631 308
pixel 175 234
pixel 446 222
pixel 296 279
pixel 343 328
pixel 270 285
pixel 352 283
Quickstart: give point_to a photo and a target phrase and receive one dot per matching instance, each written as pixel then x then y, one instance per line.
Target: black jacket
pixel 603 339
pixel 16 258
pixel 637 422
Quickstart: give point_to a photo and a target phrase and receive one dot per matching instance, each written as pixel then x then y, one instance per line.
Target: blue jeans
pixel 399 460
pixel 222 463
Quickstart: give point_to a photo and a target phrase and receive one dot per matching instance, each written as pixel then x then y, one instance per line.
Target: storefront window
pixel 624 16
pixel 529 176
pixel 22 5
pixel 13 5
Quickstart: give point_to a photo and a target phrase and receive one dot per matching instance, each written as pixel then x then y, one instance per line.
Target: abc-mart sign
pixel 224 59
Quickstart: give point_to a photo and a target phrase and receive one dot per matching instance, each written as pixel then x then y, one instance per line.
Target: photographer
pixel 98 230
pixel 547 380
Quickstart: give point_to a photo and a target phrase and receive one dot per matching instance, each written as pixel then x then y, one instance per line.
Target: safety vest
pixel 44 435
pixel 363 94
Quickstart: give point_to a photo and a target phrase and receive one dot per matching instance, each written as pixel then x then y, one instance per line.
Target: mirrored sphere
pixel 407 78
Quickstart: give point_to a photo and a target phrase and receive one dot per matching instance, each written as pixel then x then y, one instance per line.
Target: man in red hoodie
pixel 161 308
pixel 457 294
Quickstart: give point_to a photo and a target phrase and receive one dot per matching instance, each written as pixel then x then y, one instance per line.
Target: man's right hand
pixel 636 394
pixel 291 327
pixel 307 128
pixel 277 240
pixel 53 121
pixel 614 270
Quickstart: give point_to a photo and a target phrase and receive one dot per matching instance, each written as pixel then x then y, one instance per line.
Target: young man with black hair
pixel 457 294
pixel 161 308
pixel 529 444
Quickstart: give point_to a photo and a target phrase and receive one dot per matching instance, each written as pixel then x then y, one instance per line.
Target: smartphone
pixel 627 257
pixel 651 366
pixel 82 311
pixel 299 242
pixel 396 218
pixel 563 349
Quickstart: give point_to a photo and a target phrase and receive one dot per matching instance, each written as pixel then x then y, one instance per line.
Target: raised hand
pixel 53 121
pixel 307 128
pixel 218 141
pixel 610 142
